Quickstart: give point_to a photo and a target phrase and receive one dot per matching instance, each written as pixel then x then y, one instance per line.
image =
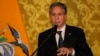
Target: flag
pixel 10 14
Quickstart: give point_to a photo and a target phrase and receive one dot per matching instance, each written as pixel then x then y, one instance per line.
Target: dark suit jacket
pixel 74 37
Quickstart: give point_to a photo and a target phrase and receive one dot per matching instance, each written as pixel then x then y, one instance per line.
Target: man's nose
pixel 56 18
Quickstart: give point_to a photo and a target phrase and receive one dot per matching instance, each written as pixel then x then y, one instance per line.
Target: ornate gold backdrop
pixel 81 13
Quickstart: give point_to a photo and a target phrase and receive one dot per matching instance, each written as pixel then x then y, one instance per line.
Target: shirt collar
pixel 62 29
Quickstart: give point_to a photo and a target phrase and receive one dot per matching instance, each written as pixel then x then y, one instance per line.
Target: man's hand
pixel 64 51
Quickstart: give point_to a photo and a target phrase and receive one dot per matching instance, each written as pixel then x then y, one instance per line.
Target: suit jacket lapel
pixel 67 33
pixel 54 45
pixel 53 40
pixel 67 37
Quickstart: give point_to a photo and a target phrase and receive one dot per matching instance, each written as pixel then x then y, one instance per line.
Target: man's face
pixel 57 16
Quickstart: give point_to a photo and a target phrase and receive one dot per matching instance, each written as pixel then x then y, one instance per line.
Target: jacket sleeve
pixel 82 48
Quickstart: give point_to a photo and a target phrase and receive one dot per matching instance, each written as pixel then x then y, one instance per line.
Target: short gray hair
pixel 63 6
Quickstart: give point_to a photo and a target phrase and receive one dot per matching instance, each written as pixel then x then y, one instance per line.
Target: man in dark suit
pixel 69 42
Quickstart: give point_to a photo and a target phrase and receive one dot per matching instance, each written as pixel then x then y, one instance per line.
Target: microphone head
pixel 55 28
pixel 55 25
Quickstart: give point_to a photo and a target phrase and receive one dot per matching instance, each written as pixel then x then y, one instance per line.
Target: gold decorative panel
pixel 81 13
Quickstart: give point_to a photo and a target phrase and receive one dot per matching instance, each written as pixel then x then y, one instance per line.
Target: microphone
pixel 54 32
pixel 55 29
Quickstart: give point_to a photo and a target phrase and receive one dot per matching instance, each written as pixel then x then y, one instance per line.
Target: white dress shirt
pixel 63 35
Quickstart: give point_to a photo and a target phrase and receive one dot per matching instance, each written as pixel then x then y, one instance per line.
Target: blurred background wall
pixel 30 17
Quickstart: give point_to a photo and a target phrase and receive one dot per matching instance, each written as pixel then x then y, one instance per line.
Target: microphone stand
pixel 54 31
pixel 41 45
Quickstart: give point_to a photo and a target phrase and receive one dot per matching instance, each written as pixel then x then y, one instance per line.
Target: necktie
pixel 60 42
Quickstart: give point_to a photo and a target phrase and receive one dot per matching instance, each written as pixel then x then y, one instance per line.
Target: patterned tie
pixel 60 43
